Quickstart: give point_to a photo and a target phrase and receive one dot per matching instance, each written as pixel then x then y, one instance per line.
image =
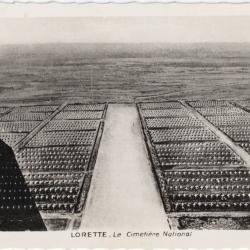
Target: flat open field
pixel 123 72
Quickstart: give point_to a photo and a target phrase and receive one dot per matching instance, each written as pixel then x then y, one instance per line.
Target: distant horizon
pixel 123 43
pixel 99 43
pixel 125 30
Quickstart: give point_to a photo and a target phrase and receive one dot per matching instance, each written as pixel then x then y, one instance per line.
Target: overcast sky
pixel 124 29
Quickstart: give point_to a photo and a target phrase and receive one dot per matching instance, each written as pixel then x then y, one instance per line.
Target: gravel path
pixel 123 192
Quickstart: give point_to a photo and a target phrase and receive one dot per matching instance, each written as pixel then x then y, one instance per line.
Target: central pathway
pixel 123 193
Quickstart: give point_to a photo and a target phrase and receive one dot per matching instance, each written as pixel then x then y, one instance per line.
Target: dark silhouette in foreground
pixel 18 211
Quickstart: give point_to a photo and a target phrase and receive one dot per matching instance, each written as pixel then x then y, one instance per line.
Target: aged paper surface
pixel 124 125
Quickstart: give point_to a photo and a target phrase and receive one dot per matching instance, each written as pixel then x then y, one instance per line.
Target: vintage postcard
pixel 125 125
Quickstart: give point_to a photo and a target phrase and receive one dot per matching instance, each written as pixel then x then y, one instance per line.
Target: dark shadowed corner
pixel 18 211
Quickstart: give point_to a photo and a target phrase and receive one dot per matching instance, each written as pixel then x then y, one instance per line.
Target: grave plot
pixel 160 105
pixel 57 161
pixel 11 139
pixel 68 137
pixel 79 115
pixel 37 109
pixel 18 209
pixel 176 122
pixel 241 134
pixel 195 155
pixel 163 113
pixel 245 103
pixel 245 145
pixel 52 158
pixel 202 181
pixel 237 133
pixel 18 127
pixel 17 116
pixel 210 190
pixel 220 111
pixel 229 120
pixel 232 121
pixel 64 125
pixel 87 107
pixel 181 134
pixel 3 110
pixel 235 126
pixel 16 124
pixel 209 103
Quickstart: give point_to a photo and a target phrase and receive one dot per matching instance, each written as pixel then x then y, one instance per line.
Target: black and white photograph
pixel 136 123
